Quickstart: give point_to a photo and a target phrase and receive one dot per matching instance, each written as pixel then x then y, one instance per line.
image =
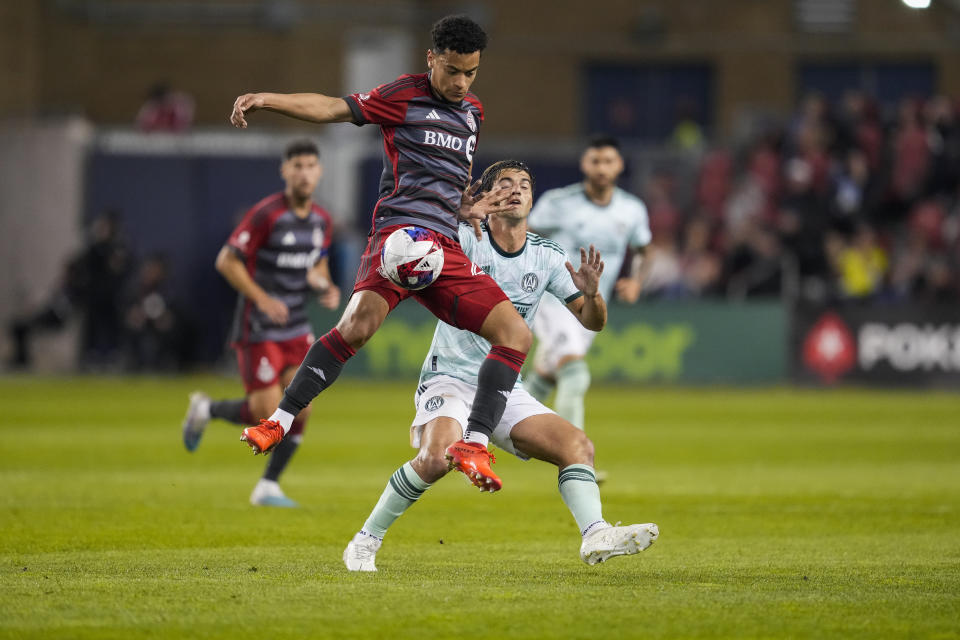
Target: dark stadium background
pixel 712 100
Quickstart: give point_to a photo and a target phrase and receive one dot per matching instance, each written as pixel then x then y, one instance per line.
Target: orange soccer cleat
pixel 263 437
pixel 473 459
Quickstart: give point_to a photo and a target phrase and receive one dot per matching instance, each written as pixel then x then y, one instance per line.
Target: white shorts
pixel 559 335
pixel 447 397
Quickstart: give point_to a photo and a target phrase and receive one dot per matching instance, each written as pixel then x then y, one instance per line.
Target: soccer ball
pixel 411 257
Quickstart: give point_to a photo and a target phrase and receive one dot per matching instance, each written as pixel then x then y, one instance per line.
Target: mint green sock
pixel 579 490
pixel 573 380
pixel 537 386
pixel 405 488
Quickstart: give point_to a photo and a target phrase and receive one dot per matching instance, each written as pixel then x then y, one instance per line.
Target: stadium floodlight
pixel 917 4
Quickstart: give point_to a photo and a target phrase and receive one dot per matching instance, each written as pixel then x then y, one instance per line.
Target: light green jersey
pixel 570 218
pixel 524 276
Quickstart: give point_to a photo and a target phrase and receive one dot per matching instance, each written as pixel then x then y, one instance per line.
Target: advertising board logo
pixel 829 349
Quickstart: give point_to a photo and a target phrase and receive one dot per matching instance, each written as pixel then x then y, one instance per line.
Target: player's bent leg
pixel 539 385
pixel 431 461
pixel 404 488
pixel 320 368
pixel 267 491
pixel 511 339
pixel 573 380
pixel 550 438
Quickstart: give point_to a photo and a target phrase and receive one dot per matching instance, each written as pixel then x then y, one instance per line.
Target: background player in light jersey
pixel 275 258
pixel 429 123
pixel 595 212
pixel 526 267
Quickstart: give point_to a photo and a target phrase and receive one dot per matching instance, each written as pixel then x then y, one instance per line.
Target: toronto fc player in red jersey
pixel 275 259
pixel 429 123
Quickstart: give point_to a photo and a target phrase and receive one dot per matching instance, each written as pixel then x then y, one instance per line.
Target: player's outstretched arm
pixel 629 288
pixel 235 272
pixel 590 308
pixel 312 107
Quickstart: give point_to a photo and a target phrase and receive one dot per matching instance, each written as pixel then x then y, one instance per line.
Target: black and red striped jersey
pixel 278 249
pixel 428 146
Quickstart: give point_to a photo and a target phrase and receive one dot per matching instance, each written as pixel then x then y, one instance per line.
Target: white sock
pixel 476 436
pixel 204 408
pixel 268 487
pixel 599 524
pixel 285 419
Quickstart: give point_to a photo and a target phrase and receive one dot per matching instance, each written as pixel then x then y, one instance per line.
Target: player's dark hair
pixel 302 147
pixel 492 174
pixel 602 140
pixel 459 34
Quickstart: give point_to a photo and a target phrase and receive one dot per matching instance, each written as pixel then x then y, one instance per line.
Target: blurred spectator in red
pixel 910 158
pixel 713 183
pixel 701 267
pixel 165 110
pixel 665 216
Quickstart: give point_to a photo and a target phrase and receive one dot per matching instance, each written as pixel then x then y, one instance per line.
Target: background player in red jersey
pixel 429 123
pixel 275 258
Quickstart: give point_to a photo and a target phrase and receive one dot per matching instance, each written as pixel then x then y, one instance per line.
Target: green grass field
pixel 783 513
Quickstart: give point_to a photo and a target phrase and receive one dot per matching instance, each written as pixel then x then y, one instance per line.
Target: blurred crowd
pixel 126 315
pixel 843 203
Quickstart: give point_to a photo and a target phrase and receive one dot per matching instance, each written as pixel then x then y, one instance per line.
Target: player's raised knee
pixel 431 465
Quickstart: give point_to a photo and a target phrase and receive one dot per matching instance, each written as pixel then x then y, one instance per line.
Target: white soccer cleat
pixel 361 553
pixel 195 422
pixel 612 541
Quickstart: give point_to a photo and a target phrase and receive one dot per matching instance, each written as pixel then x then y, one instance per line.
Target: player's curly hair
pixel 459 34
pixel 492 173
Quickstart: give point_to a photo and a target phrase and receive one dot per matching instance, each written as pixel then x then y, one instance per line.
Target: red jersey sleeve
pixel 385 105
pixel 251 233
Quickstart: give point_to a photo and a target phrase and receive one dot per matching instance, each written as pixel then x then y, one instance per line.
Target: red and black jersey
pixel 428 146
pixel 278 249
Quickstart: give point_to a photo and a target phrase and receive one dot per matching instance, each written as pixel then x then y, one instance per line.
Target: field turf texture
pixel 783 513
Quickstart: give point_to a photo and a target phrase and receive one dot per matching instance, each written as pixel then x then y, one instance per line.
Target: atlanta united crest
pixel 529 282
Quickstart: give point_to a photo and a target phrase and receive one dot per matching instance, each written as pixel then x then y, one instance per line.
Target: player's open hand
pixel 587 277
pixel 475 207
pixel 247 103
pixel 274 309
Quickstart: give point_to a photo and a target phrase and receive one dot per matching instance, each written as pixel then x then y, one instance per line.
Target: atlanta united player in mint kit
pixel 430 123
pixel 595 212
pixel 526 267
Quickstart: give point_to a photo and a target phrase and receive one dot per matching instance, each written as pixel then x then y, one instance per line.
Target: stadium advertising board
pixel 902 345
pixel 690 342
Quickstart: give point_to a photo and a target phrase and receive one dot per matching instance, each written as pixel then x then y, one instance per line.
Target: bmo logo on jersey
pixel 452 142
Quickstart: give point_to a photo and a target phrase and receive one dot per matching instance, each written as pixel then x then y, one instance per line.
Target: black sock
pixel 319 369
pixel 235 410
pixel 495 381
pixel 280 458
